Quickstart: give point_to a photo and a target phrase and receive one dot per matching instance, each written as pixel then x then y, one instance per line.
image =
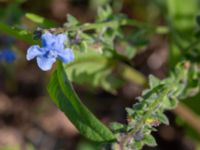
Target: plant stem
pixel 132 75
pixel 125 70
pixel 189 116
pixel 155 105
pixel 123 22
pixel 138 126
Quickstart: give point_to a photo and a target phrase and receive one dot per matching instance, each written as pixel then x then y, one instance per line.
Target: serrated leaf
pixel 153 81
pixel 150 140
pixel 94 70
pixel 169 103
pixel 109 35
pixel 103 13
pixel 64 96
pixel 148 93
pixel 163 118
pixel 130 111
pixel 71 20
pixel 137 145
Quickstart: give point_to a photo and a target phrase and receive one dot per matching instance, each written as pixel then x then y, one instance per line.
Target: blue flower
pixel 7 55
pixel 52 47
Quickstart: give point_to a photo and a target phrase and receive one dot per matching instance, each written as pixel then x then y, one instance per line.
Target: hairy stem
pixel 138 126
pixel 154 106
pixel 123 22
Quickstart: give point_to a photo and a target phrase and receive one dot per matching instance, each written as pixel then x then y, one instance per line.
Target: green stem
pixel 138 126
pixel 123 22
pixel 132 75
pixel 155 105
pixel 125 71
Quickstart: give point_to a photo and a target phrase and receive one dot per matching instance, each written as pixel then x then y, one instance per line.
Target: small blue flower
pixel 7 55
pixel 52 47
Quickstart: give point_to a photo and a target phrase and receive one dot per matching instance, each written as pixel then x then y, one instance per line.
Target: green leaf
pixel 94 70
pixel 137 145
pixel 88 145
pixel 166 103
pixel 130 111
pixel 71 21
pixel 169 102
pixel 116 126
pixel 64 96
pixel 17 33
pixel 173 101
pixel 163 118
pixel 103 13
pixel 130 51
pixel 153 81
pixel 40 20
pixel 150 140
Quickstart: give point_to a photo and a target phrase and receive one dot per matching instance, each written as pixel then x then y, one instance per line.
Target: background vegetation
pixel 163 34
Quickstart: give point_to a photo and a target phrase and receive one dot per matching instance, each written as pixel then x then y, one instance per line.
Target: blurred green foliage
pixel 100 64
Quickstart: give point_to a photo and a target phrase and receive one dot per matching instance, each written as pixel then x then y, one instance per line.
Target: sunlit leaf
pixel 40 20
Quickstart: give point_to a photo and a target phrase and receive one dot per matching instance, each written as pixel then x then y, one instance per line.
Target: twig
pixel 189 116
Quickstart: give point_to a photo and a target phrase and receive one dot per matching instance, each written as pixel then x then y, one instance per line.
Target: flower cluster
pixel 7 55
pixel 52 47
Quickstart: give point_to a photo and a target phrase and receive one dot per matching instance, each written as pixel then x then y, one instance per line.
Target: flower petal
pixel 48 40
pixel 66 55
pixel 60 39
pixel 45 63
pixel 33 51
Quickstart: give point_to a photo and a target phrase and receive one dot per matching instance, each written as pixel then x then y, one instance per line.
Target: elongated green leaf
pixel 19 34
pixel 64 96
pixel 40 20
